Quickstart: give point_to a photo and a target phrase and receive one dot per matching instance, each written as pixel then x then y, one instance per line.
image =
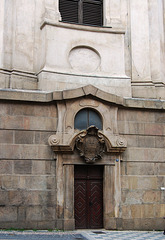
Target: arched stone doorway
pixel 68 145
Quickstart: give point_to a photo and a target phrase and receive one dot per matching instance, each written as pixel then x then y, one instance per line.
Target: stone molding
pixel 43 96
pixel 115 143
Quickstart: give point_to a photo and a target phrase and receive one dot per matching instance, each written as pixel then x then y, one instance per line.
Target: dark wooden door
pixel 88 197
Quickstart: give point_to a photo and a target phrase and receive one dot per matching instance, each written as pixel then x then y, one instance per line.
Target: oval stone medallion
pixel 84 59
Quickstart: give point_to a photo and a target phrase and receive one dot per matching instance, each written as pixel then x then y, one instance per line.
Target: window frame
pixel 80 14
pixel 87 121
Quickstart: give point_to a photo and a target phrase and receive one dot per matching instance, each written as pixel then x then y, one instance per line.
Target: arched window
pixel 87 117
pixel 87 12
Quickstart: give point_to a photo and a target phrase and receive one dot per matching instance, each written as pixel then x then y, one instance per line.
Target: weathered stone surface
pixel 24 137
pixel 140 168
pixel 16 198
pixel 23 167
pixel 38 167
pixel 6 136
pixel 8 214
pixel 3 197
pixel 151 196
pixel 6 167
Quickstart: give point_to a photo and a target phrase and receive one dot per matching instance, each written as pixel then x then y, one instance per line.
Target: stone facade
pixel 49 71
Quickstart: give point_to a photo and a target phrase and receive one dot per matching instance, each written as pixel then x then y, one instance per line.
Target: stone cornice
pixel 43 96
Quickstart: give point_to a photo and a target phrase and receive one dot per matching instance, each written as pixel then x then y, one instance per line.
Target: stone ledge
pixel 104 29
pixel 43 96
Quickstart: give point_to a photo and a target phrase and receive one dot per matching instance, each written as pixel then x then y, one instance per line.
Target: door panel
pixel 88 196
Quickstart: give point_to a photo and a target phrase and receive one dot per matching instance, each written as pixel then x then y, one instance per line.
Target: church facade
pixel 82 114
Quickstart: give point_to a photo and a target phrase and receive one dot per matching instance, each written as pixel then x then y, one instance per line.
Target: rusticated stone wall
pixel 143 169
pixel 27 165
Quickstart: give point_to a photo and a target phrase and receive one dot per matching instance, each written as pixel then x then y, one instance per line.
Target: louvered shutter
pixel 89 12
pixel 92 12
pixel 69 10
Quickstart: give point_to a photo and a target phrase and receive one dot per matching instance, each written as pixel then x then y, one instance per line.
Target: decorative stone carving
pixel 90 144
pixel 53 140
pixel 121 142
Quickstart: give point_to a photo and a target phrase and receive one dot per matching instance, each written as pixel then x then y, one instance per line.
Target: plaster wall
pixel 31 41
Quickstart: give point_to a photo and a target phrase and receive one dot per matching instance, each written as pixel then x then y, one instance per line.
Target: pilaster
pixel 142 85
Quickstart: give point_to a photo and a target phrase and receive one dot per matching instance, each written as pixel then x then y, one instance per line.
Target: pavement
pixel 82 235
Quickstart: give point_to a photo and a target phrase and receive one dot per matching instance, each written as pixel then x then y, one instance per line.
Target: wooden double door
pixel 88 196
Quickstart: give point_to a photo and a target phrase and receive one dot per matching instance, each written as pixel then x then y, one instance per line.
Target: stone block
pixel 159 224
pixel 146 141
pixel 21 214
pixel 69 94
pixel 144 154
pixel 34 213
pixel 110 223
pixel 160 181
pixel 6 167
pixel 146 224
pixel 49 213
pixel 131 128
pixel 160 117
pixel 15 198
pixel 40 123
pixel 106 96
pixel 46 225
pixel 124 182
pixel 151 196
pixel 90 89
pixel 159 210
pixel 25 151
pixel 153 129
pixel 38 167
pixel 11 122
pixel 149 182
pixel 127 224
pixel 10 182
pixel 4 80
pixel 22 167
pixel 24 137
pixel 134 168
pixel 69 224
pixel 57 95
pixel 5 108
pixel 6 136
pixel 132 182
pixel 42 137
pixel 136 211
pixel 3 198
pixel 23 82
pixel 143 91
pixel 160 142
pixel 45 110
pixel 50 182
pixel 142 211
pixel 36 182
pixel 162 196
pixel 132 140
pixel 8 214
pixel 126 212
pixel 131 197
pixel 34 109
pixel 148 211
pixel 50 167
pixel 160 168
